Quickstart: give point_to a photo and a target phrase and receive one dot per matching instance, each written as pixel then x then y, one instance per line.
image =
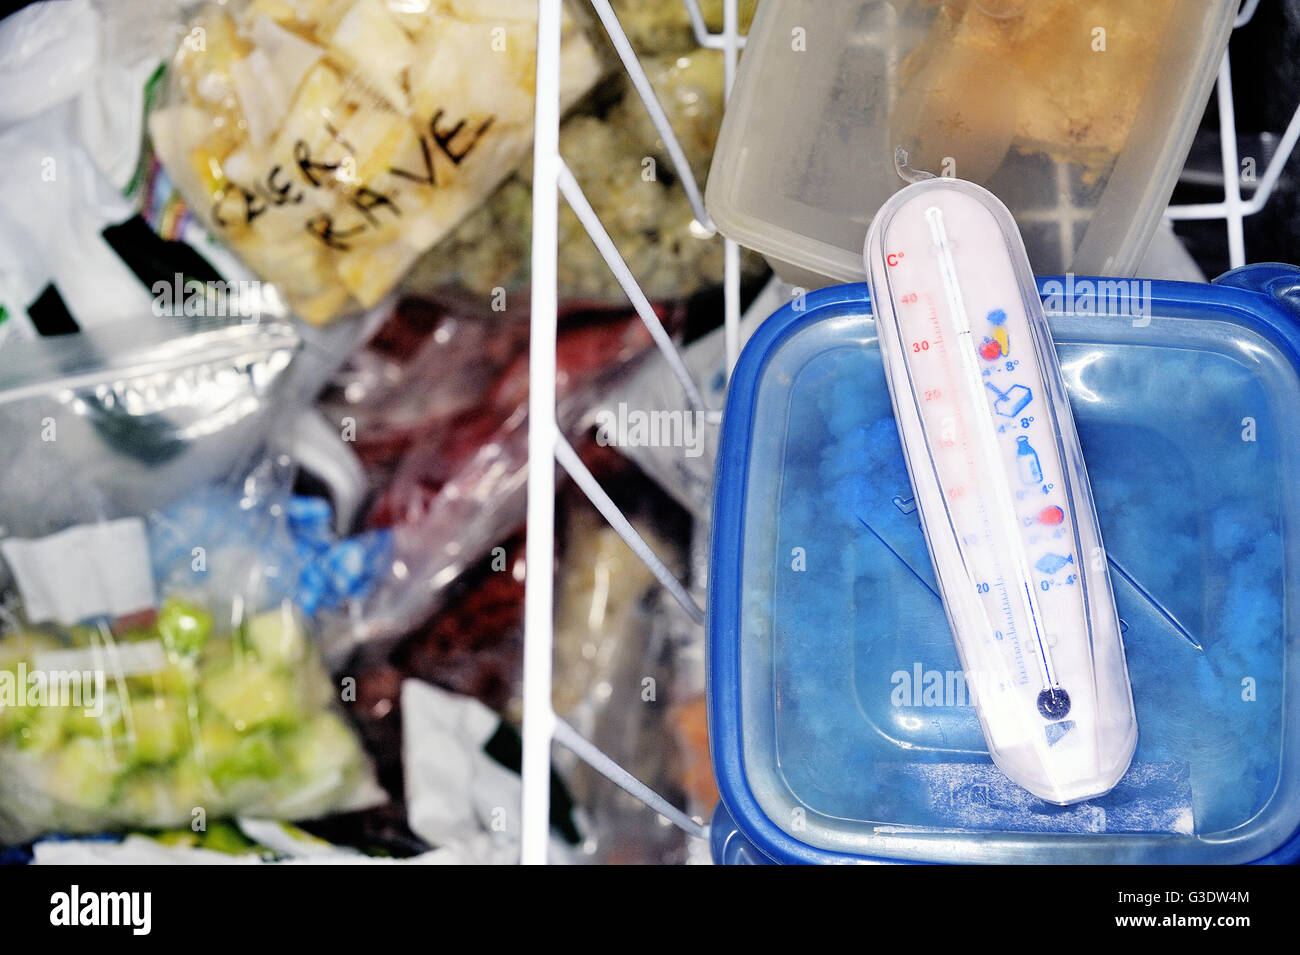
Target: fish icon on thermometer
pixel 1000 485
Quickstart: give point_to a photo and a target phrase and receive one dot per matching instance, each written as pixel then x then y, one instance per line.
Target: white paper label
pixel 86 571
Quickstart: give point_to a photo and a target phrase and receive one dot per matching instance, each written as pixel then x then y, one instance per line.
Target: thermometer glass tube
pixel 1001 488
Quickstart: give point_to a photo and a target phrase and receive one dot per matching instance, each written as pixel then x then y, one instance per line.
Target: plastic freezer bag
pixel 331 143
pixel 144 684
pixel 459 489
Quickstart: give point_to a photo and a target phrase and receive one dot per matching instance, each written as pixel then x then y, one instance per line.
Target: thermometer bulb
pixel 1054 703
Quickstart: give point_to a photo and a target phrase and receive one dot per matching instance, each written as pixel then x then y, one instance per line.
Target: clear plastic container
pixel 1078 115
pixel 842 728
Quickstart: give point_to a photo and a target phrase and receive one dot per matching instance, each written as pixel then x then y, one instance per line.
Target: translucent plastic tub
pixel 841 727
pixel 1077 115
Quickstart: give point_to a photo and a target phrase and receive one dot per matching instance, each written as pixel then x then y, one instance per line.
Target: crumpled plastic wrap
pixel 460 797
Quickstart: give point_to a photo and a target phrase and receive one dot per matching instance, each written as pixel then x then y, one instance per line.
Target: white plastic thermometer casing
pixel 1001 488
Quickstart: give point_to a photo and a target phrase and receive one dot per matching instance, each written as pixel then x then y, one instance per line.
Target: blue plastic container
pixel 841 728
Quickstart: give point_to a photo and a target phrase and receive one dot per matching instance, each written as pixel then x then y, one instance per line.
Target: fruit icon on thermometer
pixel 1001 488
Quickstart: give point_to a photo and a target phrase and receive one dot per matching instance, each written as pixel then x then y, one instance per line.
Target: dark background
pixel 1266 91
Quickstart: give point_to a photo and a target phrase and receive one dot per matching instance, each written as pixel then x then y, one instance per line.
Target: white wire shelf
pixel 542 728
pixel 546 446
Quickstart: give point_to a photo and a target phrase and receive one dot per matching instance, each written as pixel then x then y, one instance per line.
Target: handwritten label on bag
pixel 442 142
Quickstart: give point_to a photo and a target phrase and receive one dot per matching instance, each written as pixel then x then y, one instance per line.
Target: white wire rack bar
pixel 539 550
pixel 731 251
pixel 1245 13
pixel 641 83
pixel 715 41
pixel 573 465
pixel 729 42
pixel 547 447
pixel 1233 209
pixel 577 201
pixel 594 757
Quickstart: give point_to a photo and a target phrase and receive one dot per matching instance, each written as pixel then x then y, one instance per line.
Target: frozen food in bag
pixel 144 685
pixel 331 143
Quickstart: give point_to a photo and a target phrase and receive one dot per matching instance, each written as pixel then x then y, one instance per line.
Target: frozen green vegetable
pixel 215 722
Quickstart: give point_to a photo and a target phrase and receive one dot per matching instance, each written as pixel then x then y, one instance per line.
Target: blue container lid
pixel 840 723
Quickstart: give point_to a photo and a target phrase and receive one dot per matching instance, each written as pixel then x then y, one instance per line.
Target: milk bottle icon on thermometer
pixel 1000 485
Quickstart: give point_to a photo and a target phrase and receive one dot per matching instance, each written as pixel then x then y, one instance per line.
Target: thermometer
pixel 1001 488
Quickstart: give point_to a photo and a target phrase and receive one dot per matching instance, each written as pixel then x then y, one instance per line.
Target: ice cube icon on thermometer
pixel 1000 484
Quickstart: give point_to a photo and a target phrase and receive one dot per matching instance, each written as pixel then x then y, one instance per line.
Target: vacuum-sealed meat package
pixel 148 681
